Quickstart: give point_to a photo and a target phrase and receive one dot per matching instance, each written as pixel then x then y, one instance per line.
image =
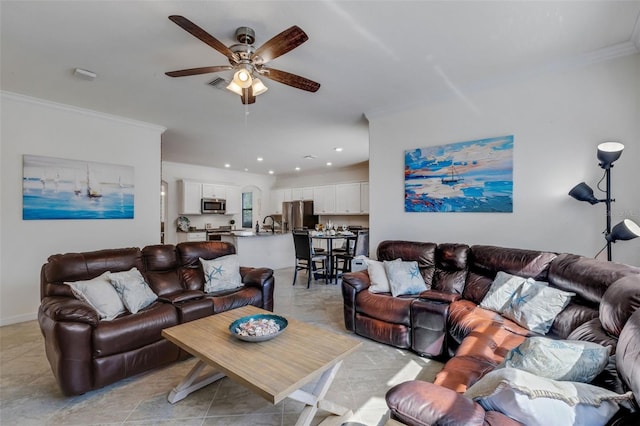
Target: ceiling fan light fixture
pixel 258 87
pixel 242 78
pixel 234 88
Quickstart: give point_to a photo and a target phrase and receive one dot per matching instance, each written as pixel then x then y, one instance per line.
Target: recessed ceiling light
pixel 329 163
pixel 337 149
pixel 227 165
pixel 297 169
pixel 270 172
pixel 246 170
pixel 259 159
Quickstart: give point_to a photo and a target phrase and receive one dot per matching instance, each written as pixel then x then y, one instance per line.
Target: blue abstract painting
pixel 54 188
pixel 472 176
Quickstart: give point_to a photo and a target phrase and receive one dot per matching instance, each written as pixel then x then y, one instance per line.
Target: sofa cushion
pixel 132 289
pixel 592 331
pixel 568 360
pixel 465 316
pixel 502 289
pixel 537 401
pixel 385 307
pixel 451 267
pixel 619 302
pixel 535 306
pixel 628 355
pixel 404 278
pixel 588 278
pixel 133 331
pixel 423 253
pixel 100 294
pixel 221 273
pixel 378 276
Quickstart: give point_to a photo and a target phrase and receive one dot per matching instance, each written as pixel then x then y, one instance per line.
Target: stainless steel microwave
pixel 213 205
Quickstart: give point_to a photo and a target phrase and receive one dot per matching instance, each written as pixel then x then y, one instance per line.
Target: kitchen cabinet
pixel 279 195
pixel 190 194
pixel 364 197
pixel 191 236
pixel 234 200
pixel 348 198
pixel 305 193
pixel 324 199
pixel 212 190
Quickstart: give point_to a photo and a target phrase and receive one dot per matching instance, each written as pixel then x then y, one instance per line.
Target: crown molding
pixel 64 107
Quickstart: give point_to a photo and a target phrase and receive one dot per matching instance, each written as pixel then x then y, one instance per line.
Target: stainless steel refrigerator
pixel 298 214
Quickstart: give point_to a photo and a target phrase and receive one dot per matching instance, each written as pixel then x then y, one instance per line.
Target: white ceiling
pixel 371 57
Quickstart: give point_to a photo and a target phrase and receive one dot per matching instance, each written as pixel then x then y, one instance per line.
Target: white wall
pixel 173 172
pixel 557 120
pixel 37 127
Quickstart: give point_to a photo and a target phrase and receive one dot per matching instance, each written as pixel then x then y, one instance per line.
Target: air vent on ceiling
pixel 218 83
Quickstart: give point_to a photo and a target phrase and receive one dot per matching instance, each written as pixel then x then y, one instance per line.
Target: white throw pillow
pixel 100 294
pixel 132 289
pixel 535 305
pixel 404 278
pixel 377 276
pixel 537 401
pixel 568 360
pixel 222 273
pixel 501 291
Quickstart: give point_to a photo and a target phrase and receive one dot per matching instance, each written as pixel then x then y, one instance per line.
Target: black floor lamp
pixel 608 152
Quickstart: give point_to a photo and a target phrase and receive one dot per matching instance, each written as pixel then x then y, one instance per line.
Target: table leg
pixel 315 401
pixel 193 381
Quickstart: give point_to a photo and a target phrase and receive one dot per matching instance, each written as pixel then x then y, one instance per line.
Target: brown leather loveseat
pixel 87 353
pixel 445 322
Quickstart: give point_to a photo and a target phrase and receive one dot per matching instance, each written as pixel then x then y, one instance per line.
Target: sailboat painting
pixel 472 176
pixel 55 188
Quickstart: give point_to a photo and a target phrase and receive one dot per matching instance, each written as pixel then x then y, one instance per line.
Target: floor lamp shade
pixel 583 192
pixel 625 230
pixel 608 152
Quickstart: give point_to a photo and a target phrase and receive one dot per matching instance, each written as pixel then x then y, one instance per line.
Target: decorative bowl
pixel 234 327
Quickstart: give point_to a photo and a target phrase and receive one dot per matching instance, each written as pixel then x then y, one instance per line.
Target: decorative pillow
pixel 537 401
pixel 568 360
pixel 132 289
pixel 501 291
pixel 535 306
pixel 378 276
pixel 100 294
pixel 404 277
pixel 222 273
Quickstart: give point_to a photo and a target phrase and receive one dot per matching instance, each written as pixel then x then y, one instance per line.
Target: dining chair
pixel 307 259
pixel 360 248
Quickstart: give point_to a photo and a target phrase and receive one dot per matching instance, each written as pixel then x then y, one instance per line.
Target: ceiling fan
pixel 248 61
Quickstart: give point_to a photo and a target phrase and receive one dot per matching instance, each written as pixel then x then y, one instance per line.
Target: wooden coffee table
pixel 302 354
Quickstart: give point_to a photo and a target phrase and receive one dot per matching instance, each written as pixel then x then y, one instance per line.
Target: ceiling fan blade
pixel 202 35
pixel 196 71
pixel 247 96
pixel 278 45
pixel 290 79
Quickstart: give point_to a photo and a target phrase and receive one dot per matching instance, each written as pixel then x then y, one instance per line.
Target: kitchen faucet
pixel 273 223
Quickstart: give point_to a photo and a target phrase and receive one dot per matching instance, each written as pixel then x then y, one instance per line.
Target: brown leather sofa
pixel 445 322
pixel 86 353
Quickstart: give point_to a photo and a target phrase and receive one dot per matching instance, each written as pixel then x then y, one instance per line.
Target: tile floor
pixel 29 394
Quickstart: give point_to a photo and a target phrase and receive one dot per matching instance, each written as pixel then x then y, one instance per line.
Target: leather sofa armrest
pixel 68 309
pixel 439 296
pixel 255 277
pixel 358 280
pixel 182 296
pixel 421 403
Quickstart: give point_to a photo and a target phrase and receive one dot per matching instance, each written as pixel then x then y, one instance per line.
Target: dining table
pixel 330 237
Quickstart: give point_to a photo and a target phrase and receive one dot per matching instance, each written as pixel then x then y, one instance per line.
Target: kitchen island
pixel 266 249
